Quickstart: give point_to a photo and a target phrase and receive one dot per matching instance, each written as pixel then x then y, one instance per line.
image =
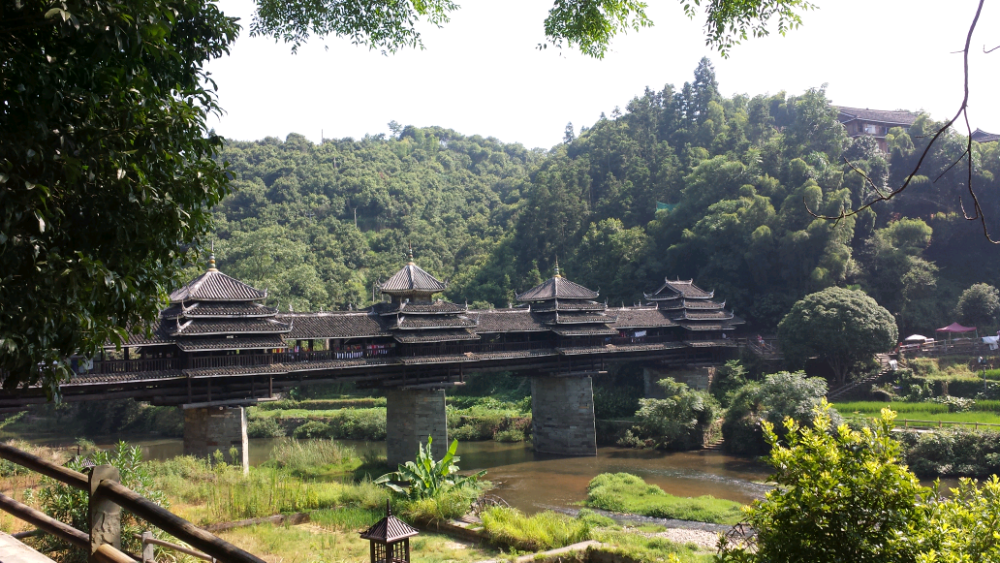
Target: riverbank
pixel 333 485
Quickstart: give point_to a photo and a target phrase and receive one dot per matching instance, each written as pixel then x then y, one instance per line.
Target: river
pixel 535 482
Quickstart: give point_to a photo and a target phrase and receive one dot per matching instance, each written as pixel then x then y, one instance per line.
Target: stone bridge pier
pixel 411 416
pixel 562 415
pixel 220 428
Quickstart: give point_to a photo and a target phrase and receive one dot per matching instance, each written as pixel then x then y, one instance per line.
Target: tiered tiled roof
pixel 568 308
pixel 691 307
pixel 414 317
pixel 213 285
pixel 217 312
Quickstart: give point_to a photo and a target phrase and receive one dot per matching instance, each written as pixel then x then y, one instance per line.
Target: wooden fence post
pixel 148 549
pixel 104 515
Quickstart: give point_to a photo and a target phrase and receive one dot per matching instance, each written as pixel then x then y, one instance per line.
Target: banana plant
pixel 426 478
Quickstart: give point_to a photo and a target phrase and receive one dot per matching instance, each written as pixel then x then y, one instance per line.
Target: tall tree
pixel 841 326
pixel 107 170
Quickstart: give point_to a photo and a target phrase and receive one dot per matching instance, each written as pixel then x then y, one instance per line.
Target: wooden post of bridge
pixel 104 516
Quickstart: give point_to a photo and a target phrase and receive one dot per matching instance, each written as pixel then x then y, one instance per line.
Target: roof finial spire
pixel 388 509
pixel 557 268
pixel 409 253
pixel 211 259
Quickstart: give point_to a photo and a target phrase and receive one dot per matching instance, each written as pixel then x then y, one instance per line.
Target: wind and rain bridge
pixel 218 349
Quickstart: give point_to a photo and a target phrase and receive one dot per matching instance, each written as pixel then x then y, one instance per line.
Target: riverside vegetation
pixel 337 489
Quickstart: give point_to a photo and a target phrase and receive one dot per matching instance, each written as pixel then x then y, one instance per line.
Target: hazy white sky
pixel 482 74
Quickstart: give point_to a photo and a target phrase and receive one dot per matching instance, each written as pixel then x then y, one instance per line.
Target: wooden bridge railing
pixel 128 366
pixel 107 498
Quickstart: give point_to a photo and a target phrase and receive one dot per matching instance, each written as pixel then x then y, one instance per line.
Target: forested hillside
pixel 319 224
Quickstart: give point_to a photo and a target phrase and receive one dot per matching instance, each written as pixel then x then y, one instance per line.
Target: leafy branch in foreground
pixel 107 169
pixel 967 154
pixel 589 25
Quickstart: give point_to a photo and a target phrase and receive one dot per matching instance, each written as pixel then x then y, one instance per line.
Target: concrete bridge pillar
pixel 211 429
pixel 562 415
pixel 411 416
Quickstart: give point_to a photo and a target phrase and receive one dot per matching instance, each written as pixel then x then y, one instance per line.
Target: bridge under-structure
pixel 218 349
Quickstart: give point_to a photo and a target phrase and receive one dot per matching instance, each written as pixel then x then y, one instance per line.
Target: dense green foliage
pixel 846 496
pixel 840 326
pixel 69 505
pixel 736 175
pixel 978 306
pixel 319 225
pixel 778 396
pixel 107 170
pixel 626 493
pixel 680 421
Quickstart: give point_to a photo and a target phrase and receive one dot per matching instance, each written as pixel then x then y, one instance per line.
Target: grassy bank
pixel 469 419
pixel 982 412
pixel 628 494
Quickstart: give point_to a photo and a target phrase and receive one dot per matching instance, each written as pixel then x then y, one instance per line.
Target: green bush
pixel 265 428
pixel 678 422
pixel 629 494
pixel 509 435
pixel 616 402
pixel 312 429
pixel 780 395
pixel 69 505
pixel 542 531
pixel 952 453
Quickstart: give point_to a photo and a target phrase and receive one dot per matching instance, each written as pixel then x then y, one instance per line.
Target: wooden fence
pixel 106 499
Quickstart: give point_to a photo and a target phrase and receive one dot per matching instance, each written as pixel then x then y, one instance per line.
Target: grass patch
pixel 313 457
pixel 642 549
pixel 626 493
pixel 347 519
pixel 540 532
pixel 984 412
pixel 320 542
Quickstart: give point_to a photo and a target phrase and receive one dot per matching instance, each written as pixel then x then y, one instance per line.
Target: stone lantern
pixel 389 539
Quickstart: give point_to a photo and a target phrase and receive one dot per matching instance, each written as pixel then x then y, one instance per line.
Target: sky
pixel 482 73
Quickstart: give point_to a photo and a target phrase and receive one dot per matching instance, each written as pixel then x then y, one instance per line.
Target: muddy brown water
pixel 534 482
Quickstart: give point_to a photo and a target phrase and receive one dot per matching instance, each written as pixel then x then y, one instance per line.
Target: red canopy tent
pixel 955 328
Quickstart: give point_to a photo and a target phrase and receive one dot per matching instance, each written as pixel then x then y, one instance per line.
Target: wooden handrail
pixel 174 546
pixel 175 525
pixel 45 522
pixel 121 496
pixel 72 478
pixel 106 553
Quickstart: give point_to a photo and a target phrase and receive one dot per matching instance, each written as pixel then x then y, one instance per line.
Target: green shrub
pixel 595 520
pixel 265 428
pixel 509 435
pixel 70 505
pixel 468 433
pixel 312 429
pixel 450 504
pixel 616 402
pixel 542 531
pixel 780 395
pixel 629 494
pixel 678 422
